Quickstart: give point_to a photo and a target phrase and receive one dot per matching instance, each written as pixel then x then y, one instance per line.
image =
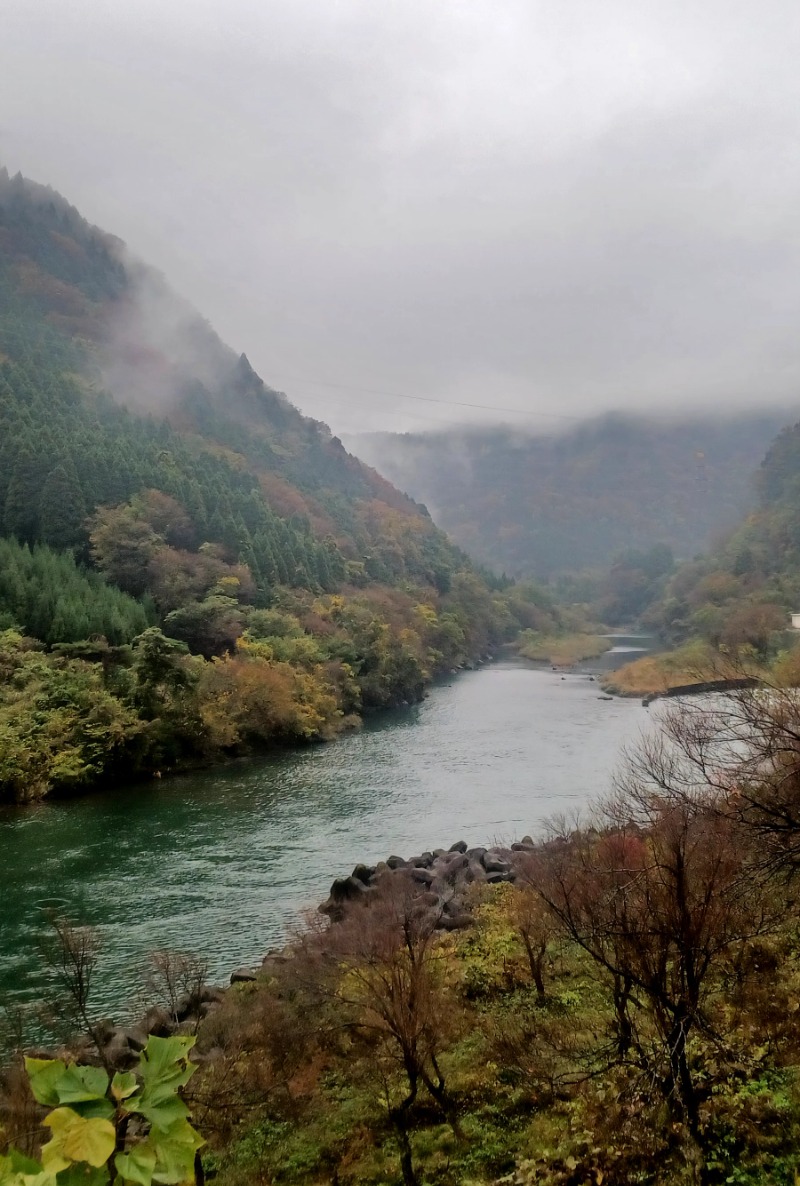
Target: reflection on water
pixel 222 862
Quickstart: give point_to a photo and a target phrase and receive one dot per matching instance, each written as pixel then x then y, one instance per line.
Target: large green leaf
pixel 11 1175
pixel 79 1084
pixel 160 1112
pixel 17 1170
pixel 43 1075
pixel 81 1174
pixel 137 1165
pixel 163 1070
pixel 162 1053
pixel 54 1082
pixel 21 1164
pixel 176 1149
pixel 91 1108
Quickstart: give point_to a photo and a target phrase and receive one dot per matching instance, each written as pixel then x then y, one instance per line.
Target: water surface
pixel 223 861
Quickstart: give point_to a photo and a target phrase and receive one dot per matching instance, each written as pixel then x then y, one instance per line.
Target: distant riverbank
pixel 562 650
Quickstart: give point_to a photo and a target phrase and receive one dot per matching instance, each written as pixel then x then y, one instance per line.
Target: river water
pixel 223 862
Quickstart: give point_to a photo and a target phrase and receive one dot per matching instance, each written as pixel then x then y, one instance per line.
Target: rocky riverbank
pixel 440 882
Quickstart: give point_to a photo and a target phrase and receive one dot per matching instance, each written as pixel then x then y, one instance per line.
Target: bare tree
pixel 532 918
pixel 390 982
pixel 657 899
pixel 176 978
pixel 743 749
pixel 71 956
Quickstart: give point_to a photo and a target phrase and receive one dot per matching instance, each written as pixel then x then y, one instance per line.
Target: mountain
pixel 112 377
pixel 189 565
pixel 542 504
pixel 742 592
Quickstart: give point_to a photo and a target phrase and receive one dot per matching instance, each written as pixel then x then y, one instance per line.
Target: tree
pixel 122 546
pixel 62 510
pixel 744 752
pixel 658 897
pixel 209 627
pixel 160 670
pixel 391 988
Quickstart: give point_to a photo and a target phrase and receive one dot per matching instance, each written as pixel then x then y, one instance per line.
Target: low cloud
pixel 556 207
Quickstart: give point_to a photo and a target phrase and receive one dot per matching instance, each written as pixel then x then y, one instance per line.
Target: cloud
pixel 557 206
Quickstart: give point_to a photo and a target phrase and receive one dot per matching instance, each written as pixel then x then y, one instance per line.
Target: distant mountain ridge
pixel 535 505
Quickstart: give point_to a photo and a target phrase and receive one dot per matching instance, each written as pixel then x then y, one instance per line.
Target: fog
pixel 409 213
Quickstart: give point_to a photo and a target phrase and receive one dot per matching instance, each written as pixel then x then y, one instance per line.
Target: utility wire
pixel 428 399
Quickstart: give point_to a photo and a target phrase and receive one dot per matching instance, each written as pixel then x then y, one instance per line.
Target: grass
pixel 563 650
pixel 694 663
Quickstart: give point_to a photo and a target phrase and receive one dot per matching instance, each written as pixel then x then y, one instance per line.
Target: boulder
pixel 456 922
pixel 494 863
pixel 119 1054
pixel 135 1037
pixel 395 862
pixel 452 871
pixel 157 1021
pixel 423 876
pixel 244 975
pixel 211 993
pixel 343 890
pixel 459 846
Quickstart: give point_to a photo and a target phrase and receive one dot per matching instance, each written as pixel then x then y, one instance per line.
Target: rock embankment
pixel 443 877
pixel 702 688
pixel 440 882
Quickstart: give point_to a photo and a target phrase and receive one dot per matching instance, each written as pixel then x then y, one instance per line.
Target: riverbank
pixel 413 1041
pixel 232 856
pixel 695 664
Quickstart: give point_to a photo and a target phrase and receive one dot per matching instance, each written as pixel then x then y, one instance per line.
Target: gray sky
pixel 562 206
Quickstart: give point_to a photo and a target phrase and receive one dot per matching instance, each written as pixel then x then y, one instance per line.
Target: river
pixel 222 862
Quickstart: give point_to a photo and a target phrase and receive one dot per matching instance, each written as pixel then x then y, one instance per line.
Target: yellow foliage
pixel 427 613
pixel 252 698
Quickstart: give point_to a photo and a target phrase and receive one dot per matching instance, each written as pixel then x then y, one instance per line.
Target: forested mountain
pixel 110 385
pixel 208 567
pixel 539 505
pixel 743 591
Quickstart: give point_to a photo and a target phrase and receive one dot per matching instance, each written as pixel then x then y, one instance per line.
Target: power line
pixel 428 399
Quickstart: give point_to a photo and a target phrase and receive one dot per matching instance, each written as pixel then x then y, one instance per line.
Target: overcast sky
pixel 560 206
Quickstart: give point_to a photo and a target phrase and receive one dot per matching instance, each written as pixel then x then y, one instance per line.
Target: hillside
pixel 742 592
pixel 541 504
pixel 208 568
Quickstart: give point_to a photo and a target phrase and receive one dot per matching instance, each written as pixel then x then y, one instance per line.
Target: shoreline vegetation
pixel 487 1016
pixel 561 650
pixel 89 713
pixel 694 663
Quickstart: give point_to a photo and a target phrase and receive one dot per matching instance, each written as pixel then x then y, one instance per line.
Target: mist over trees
pixel 541 504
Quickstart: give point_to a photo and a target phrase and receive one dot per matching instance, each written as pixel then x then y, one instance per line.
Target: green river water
pixel 223 862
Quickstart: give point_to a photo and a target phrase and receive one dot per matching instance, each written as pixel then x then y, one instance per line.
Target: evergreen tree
pixel 62 510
